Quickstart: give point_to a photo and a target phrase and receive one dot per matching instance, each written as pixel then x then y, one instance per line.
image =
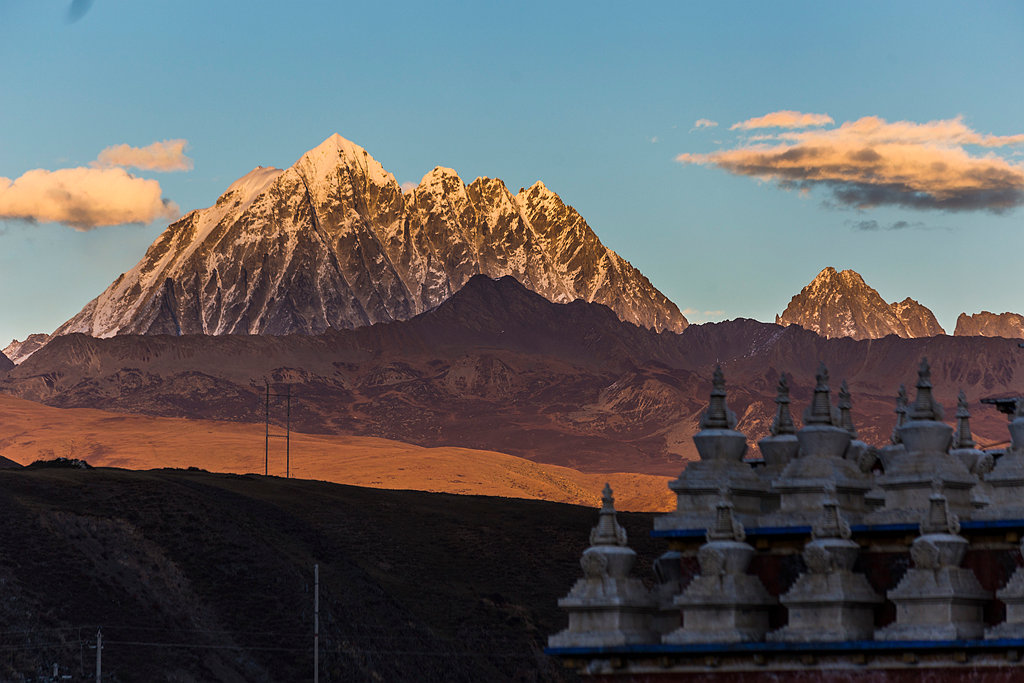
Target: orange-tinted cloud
pixel 786 118
pixel 871 162
pixel 703 123
pixel 168 155
pixel 84 198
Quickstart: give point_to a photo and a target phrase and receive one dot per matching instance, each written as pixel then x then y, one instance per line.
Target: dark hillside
pixel 198 577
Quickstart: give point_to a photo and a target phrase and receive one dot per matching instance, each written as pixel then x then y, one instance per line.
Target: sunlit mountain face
pixel 334 243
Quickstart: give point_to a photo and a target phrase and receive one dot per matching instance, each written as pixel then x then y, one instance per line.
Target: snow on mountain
pixel 332 242
pixel 17 351
pixel 841 304
pixel 918 319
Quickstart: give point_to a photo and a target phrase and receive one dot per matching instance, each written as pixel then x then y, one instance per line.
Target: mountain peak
pixel 842 304
pixel 253 182
pixel 839 278
pixel 332 242
pixel 336 144
pixel 336 152
pixel 440 179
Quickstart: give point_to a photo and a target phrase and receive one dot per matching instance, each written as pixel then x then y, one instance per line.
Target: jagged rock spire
pixel 925 407
pixel 727 527
pixel 717 415
pixel 783 423
pixel 607 531
pixel 831 523
pixel 845 404
pixel 962 436
pixel 820 410
pixel 939 519
pixel 901 414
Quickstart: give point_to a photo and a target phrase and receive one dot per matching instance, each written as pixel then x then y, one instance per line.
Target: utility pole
pixel 316 623
pixel 266 431
pixel 288 434
pixel 99 655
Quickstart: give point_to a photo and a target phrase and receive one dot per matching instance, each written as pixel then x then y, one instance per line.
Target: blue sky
pixel 598 100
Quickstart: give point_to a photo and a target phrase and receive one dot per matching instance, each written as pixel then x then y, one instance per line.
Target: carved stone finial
pixel 925 407
pixel 820 410
pixel 607 531
pixel 939 519
pixel 783 423
pixel 727 527
pixel 962 436
pixel 845 406
pixel 717 414
pixel 901 414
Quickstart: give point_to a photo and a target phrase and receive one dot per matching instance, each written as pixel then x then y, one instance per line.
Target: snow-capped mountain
pixel 986 324
pixel 332 242
pixel 841 304
pixel 919 319
pixel 18 351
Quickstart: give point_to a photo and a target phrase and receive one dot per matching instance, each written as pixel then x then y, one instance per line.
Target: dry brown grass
pixel 31 431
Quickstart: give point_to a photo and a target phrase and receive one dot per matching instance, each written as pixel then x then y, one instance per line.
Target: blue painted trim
pixel 754 532
pixel 752 648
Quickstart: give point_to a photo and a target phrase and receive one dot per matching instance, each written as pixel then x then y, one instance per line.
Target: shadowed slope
pixel 413 586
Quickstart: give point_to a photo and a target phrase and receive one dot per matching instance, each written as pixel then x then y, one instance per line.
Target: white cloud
pixel 168 155
pixel 703 123
pixel 786 118
pixel 84 198
pixel 871 162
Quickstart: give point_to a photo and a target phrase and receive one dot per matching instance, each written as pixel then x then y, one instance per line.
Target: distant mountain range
pixel 840 304
pixel 334 243
pixel 987 324
pixel 497 367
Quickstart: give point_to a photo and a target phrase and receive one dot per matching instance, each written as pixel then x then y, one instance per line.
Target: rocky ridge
pixel 18 351
pixel 500 368
pixel 986 324
pixel 334 243
pixel 841 304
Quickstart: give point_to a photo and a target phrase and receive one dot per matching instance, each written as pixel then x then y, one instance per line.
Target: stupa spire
pixel 845 405
pixel 939 519
pixel 717 414
pixel 831 523
pixel 783 423
pixel 962 436
pixel 726 527
pixel 901 414
pixel 820 410
pixel 608 531
pixel 925 407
